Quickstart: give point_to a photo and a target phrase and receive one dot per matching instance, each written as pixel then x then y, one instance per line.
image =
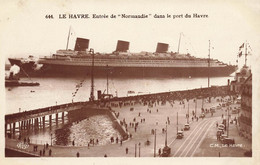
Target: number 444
pixel 49 16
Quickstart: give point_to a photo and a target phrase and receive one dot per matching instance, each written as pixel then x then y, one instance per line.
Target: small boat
pixel 12 81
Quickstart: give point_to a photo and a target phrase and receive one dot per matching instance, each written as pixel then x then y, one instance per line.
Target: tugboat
pixel 13 81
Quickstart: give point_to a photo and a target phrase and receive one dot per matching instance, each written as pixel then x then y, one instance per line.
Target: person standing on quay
pixel 126 150
pixel 50 152
pixel 77 154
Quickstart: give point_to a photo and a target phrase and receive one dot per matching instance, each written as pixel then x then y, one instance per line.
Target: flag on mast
pixel 240 54
pixel 242 46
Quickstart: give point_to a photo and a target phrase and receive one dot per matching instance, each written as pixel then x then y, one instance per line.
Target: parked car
pixel 166 151
pixel 213 109
pixel 238 100
pixel 180 135
pixel 234 111
pixel 202 115
pixel 220 132
pixel 223 136
pixel 221 126
pixel 186 127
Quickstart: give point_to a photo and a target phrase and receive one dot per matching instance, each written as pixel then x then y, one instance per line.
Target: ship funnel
pixel 122 46
pixel 162 47
pixel 81 44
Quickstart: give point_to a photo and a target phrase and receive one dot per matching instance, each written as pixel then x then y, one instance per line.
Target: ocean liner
pixel 123 63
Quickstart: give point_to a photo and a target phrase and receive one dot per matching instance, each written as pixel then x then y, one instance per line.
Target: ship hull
pixel 28 66
pixel 49 70
pixel 66 70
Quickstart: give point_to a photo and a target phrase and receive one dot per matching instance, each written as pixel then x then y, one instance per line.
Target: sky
pixel 25 30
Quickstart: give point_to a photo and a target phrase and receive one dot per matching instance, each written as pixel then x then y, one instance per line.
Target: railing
pixel 201 92
pixel 41 110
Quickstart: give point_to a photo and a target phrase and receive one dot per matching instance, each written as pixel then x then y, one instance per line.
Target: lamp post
pixel 135 149
pixel 139 149
pixel 228 120
pixel 177 122
pixel 195 106
pixel 202 102
pixel 154 143
pixel 51 139
pixel 188 116
pixel 166 136
pixel 166 149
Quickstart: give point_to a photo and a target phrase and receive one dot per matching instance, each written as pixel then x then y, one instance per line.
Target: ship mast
pixel 107 79
pixel 209 66
pixel 92 77
pixel 68 39
pixel 179 43
pixel 246 53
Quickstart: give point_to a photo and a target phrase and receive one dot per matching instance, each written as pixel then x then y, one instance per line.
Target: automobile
pixel 166 151
pixel 228 141
pixel 180 135
pixel 213 109
pixel 131 109
pixel 220 132
pixel 221 129
pixel 202 115
pixel 218 107
pixel 186 127
pixel 234 111
pixel 223 136
pixel 221 126
pixel 238 100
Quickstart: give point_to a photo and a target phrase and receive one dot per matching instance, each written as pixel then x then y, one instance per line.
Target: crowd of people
pixel 171 97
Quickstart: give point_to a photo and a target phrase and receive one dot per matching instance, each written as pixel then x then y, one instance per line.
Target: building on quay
pixel 240 77
pixel 245 117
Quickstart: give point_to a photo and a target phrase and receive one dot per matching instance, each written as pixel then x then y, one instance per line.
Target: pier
pixel 151 111
pixel 36 119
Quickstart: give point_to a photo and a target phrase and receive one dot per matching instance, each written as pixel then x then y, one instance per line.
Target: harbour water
pixel 54 91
